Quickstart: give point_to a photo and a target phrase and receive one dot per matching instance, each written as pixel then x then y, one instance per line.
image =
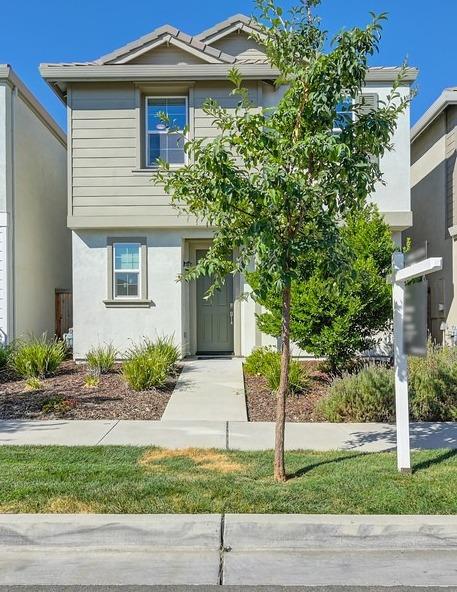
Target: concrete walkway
pixel 231 435
pixel 208 390
pixel 179 549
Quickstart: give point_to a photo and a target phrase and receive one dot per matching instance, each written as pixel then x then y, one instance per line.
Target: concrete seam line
pixel 110 430
pixel 221 552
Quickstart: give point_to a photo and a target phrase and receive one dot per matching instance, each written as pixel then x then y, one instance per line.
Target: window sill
pixel 151 170
pixel 127 303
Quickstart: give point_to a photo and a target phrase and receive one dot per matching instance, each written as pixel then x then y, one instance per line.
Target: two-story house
pixel 433 200
pixel 35 243
pixel 129 243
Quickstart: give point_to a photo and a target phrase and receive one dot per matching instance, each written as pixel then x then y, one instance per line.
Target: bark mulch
pixel 65 395
pixel 261 402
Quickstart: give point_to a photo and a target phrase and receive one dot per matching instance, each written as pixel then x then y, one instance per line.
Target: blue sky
pixel 55 31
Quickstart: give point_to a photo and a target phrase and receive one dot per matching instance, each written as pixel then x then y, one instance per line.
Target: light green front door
pixel 214 316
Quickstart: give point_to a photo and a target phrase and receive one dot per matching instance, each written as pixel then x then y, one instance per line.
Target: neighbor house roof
pixel 447 97
pixel 8 75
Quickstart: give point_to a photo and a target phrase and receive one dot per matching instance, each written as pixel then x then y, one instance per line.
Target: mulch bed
pixel 65 395
pixel 261 402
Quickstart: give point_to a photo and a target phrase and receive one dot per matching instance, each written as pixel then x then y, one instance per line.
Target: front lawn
pixel 152 480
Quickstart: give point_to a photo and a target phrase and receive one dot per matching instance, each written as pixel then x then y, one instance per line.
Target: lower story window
pixel 127 270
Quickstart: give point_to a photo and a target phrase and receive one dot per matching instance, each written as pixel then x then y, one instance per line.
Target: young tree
pixel 277 183
pixel 340 317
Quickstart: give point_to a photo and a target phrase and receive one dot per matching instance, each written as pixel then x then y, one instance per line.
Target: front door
pixel 214 316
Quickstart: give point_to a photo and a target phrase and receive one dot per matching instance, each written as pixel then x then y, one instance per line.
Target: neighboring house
pixel 129 243
pixel 35 244
pixel 433 201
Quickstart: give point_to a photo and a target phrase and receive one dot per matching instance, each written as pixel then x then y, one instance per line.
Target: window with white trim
pixel 344 114
pixel 164 136
pixel 126 270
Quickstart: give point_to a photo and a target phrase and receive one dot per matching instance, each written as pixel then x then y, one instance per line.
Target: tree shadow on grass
pixel 304 470
pixel 425 464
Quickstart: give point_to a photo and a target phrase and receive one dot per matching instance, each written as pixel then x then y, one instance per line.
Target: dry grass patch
pixel 208 460
pixel 69 505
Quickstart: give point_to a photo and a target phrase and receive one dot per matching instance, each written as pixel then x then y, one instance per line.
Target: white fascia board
pixel 419 269
pixel 169 39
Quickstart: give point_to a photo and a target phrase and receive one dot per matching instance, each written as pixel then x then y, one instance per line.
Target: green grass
pixel 150 480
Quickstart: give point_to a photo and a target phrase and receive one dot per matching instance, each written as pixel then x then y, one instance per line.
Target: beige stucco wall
pixel 428 201
pixel 42 243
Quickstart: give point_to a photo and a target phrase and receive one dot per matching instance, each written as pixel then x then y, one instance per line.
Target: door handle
pixel 231 317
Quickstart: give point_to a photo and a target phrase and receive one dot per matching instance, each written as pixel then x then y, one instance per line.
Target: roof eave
pixel 9 75
pixel 447 97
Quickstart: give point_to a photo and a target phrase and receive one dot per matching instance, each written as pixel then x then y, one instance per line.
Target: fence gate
pixel 64 312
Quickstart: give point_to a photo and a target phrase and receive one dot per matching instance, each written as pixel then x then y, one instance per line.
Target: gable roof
pixel 447 97
pixel 169 35
pixel 237 22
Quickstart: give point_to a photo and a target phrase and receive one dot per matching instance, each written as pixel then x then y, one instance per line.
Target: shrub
pixel 433 385
pixel 259 360
pixel 101 359
pixel 148 365
pixel 264 361
pixel 33 384
pixel 58 405
pixel 91 380
pixel 5 351
pixel 37 357
pixel 365 396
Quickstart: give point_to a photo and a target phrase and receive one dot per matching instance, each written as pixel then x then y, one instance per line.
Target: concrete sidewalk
pixel 311 550
pixel 231 435
pixel 208 390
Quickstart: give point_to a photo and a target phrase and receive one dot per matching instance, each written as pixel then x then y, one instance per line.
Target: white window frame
pixel 338 130
pixel 148 133
pixel 116 271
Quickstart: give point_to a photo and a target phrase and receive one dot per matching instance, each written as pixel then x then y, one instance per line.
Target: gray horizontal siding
pixel 104 151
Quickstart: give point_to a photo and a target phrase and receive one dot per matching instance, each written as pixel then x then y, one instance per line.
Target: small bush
pixel 5 351
pixel 58 405
pixel 365 396
pixel 101 359
pixel 433 385
pixel 148 365
pixel 91 380
pixel 266 362
pixel 259 360
pixel 33 384
pixel 37 357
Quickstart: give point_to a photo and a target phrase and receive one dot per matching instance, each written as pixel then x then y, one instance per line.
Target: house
pixel 433 201
pixel 35 244
pixel 129 243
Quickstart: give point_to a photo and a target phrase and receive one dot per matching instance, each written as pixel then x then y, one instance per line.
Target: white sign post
pixel 401 275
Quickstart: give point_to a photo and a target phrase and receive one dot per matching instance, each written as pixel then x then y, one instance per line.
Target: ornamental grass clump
pixel 5 351
pixel 266 362
pixel 37 357
pixel 149 364
pixel 365 396
pixel 101 359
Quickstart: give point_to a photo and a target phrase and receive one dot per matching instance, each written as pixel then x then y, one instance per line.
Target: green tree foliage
pixel 278 182
pixel 338 316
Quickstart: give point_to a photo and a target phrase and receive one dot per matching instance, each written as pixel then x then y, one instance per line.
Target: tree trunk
pixel 279 468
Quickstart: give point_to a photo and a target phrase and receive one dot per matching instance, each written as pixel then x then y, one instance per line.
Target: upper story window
pixel 126 270
pixel 344 114
pixel 160 141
